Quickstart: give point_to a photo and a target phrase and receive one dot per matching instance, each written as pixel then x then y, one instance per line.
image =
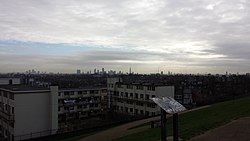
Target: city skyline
pixel 148 36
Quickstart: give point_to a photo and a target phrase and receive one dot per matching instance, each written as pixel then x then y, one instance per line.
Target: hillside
pixel 197 122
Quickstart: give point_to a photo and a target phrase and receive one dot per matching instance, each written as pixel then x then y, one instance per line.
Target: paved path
pixel 118 131
pixel 237 130
pixel 122 130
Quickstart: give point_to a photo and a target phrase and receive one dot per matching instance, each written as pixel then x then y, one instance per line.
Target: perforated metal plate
pixel 169 104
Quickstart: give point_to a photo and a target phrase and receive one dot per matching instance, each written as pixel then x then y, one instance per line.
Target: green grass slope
pixel 197 122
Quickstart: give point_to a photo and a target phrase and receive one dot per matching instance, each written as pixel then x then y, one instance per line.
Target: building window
pixel 131 110
pixel 141 96
pixel 71 108
pixel 59 108
pixel 92 92
pixel 6 132
pixel 151 105
pixel 91 105
pixel 136 111
pixel 139 104
pixel 141 111
pixel 136 95
pixel 131 94
pixel 147 97
pixel 11 96
pixel 5 94
pixel 79 92
pixel 6 107
pixel 129 86
pixel 151 88
pixel 12 110
pixel 104 90
pixel 12 125
pixel 129 102
pixel 121 94
pixel 126 94
pixel 139 87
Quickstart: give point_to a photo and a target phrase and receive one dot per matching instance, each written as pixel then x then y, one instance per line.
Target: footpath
pixel 124 130
pixel 237 130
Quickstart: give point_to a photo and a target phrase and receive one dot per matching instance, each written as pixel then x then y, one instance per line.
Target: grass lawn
pixel 197 122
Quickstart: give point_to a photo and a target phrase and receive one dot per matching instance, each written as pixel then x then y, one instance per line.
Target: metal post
pixel 175 126
pixel 163 125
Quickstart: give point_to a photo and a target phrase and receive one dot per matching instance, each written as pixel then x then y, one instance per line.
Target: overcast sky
pixel 185 36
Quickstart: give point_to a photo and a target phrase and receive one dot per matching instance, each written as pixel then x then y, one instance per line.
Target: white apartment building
pixel 8 81
pixel 134 98
pixel 29 112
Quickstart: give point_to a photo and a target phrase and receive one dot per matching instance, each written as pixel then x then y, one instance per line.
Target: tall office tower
pixel 103 70
pixel 78 71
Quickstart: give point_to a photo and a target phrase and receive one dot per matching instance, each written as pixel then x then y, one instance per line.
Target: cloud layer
pixel 176 35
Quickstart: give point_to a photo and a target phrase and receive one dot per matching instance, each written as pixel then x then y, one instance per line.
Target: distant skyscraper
pixel 103 70
pixel 78 71
pixel 130 70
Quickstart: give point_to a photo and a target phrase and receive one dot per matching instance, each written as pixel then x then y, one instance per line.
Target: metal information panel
pixel 169 104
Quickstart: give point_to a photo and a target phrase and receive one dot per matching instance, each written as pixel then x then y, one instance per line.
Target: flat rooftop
pixel 143 84
pixel 82 88
pixel 16 88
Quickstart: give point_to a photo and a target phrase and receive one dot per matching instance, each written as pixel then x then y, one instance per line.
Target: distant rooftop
pixel 143 83
pixel 82 88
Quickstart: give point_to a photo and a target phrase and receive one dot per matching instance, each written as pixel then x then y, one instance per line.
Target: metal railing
pixel 35 135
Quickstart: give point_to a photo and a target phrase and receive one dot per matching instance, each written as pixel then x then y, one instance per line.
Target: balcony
pixel 6 116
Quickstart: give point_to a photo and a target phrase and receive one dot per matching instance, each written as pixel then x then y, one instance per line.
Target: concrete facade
pixel 26 112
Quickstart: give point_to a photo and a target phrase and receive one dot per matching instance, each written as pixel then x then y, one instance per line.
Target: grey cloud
pixel 217 27
pixel 234 50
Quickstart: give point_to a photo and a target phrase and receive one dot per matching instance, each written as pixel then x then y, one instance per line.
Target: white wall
pixel 165 91
pixel 54 109
pixel 32 113
pixel 5 81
